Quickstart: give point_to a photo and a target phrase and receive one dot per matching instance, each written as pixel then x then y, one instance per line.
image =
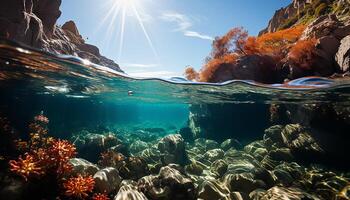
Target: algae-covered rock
pixel 219 167
pixel 128 192
pixel 138 146
pixel 82 166
pixel 107 180
pixel 194 168
pixel 292 193
pixel 173 149
pixel 214 154
pixel 210 190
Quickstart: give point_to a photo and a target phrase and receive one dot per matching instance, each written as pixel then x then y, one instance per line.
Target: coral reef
pixel 79 186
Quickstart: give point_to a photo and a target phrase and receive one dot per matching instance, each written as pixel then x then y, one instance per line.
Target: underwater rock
pixel 281 154
pixel 286 173
pixel 138 146
pixel 219 167
pixel 205 144
pixel 292 193
pixel 133 168
pixel 194 168
pixel 83 167
pixel 170 183
pixel 11 188
pixel 173 148
pixel 243 182
pixel 214 154
pixel 128 192
pixel 151 155
pixel 90 146
pixel 107 180
pixel 230 143
pixel 241 163
pixel 210 190
pixel 257 149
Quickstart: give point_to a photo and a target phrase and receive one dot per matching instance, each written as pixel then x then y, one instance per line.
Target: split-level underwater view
pixel 266 116
pixel 76 129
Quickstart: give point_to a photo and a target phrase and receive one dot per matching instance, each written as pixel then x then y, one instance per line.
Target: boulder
pixel 173 149
pixel 138 146
pixel 210 190
pixel 292 193
pixel 34 23
pixel 343 55
pixel 107 180
pixel 170 183
pixel 322 26
pixel 128 192
pixel 214 154
pixel 219 167
pixel 82 166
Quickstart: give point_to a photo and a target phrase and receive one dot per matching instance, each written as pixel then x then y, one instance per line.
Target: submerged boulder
pixel 82 166
pixel 128 192
pixel 107 180
pixel 173 149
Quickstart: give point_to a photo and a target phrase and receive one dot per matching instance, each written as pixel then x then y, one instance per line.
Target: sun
pixel 117 16
pixel 128 4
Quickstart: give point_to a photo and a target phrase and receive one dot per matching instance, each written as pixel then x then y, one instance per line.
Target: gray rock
pixel 219 167
pixel 210 190
pixel 214 154
pixel 343 55
pixel 107 180
pixel 82 166
pixel 138 146
pixel 292 193
pixel 173 148
pixel 128 192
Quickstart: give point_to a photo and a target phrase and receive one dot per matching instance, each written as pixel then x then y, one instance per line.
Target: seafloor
pixel 148 164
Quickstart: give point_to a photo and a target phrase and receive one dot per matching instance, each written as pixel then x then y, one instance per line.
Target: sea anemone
pixel 99 196
pixel 41 118
pixel 26 167
pixel 79 187
pixel 60 151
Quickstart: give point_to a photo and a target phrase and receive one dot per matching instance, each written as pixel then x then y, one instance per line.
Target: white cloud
pixel 184 24
pixel 198 35
pixel 182 21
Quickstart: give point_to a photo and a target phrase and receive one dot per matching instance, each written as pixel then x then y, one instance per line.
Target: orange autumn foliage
pixel 191 74
pixel 232 42
pixel 207 72
pixel 79 187
pixel 275 43
pixel 226 50
pixel 303 53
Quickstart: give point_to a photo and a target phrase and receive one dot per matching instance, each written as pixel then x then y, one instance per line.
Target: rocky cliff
pixel 305 11
pixel 33 22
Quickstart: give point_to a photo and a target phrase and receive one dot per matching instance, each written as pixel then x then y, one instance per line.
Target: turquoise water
pixel 83 100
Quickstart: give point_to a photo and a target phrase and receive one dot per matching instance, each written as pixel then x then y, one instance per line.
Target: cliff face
pixel 305 11
pixel 33 22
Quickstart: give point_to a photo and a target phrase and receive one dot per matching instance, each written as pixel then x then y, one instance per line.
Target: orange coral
pixel 100 196
pixel 41 118
pixel 26 167
pixel 79 187
pixel 60 151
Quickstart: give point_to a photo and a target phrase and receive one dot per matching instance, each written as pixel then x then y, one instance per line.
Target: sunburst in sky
pixel 162 37
pixel 117 15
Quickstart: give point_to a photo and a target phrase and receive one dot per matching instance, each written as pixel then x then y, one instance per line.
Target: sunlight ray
pixel 145 32
pixel 121 41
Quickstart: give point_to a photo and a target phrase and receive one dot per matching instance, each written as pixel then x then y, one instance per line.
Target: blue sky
pixel 162 37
